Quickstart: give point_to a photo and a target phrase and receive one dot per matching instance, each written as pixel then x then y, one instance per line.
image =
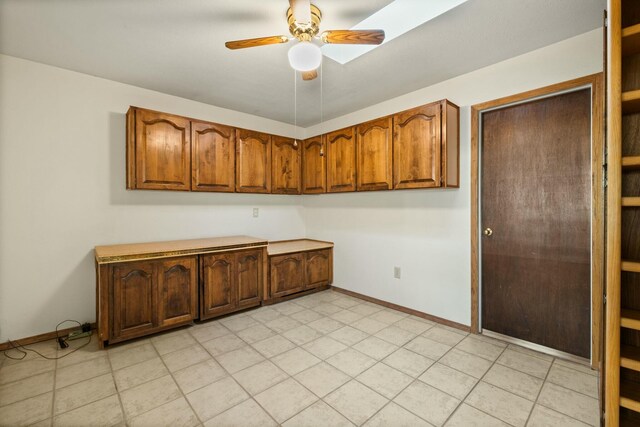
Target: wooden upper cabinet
pixel 314 166
pixel 213 154
pixel 375 154
pixel 341 160
pixel 253 162
pixel 450 144
pixel 417 147
pixel 162 152
pixel 286 154
pixel 177 291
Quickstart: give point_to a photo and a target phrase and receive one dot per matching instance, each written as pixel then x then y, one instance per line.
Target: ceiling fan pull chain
pixel 321 112
pixel 295 107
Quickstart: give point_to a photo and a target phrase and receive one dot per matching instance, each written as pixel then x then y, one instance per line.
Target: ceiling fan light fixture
pixel 305 56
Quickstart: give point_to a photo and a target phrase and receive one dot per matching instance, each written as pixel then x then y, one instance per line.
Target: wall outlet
pixel 256 212
pixel 396 272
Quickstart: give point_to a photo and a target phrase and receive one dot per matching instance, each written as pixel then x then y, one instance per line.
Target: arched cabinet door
pixel 341 160
pixel 287 274
pixel 249 277
pixel 134 299
pixel 286 154
pixel 177 291
pixel 416 147
pixel 318 268
pixel 374 146
pixel 217 284
pixel 213 157
pixel 162 151
pixel 314 166
pixel 253 161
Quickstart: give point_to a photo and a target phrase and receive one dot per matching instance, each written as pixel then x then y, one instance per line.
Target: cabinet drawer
pixel 287 274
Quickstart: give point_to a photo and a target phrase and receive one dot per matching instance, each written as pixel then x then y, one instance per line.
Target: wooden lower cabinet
pixel 148 296
pixel 133 300
pixel 298 265
pixel 318 268
pixel 287 274
pixel 217 282
pixel 143 288
pixel 230 282
pixel 177 291
pixel 249 275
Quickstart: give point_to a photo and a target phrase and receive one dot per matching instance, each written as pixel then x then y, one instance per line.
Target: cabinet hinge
pixel 604 299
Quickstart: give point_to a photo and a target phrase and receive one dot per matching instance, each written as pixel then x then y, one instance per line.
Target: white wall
pixel 427 232
pixel 62 191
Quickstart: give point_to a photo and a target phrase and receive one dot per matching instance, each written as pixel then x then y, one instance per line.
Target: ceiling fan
pixel 304 25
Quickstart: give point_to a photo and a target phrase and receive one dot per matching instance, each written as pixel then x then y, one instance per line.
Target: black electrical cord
pixel 23 350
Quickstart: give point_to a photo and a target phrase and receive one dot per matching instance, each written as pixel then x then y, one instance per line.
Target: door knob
pixel 488 232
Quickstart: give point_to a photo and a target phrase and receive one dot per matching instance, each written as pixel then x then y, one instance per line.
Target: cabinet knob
pixel 488 232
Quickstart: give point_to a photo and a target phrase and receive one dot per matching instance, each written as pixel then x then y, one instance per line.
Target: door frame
pixel 595 83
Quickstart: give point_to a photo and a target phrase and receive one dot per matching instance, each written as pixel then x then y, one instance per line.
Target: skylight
pixel 397 18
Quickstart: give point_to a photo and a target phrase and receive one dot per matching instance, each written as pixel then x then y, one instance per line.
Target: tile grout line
pixel 53 394
pixel 430 325
pixel 321 361
pixel 127 420
pixel 124 414
pixel 464 399
pixel 174 380
pixel 377 361
pixel 228 375
pixel 540 391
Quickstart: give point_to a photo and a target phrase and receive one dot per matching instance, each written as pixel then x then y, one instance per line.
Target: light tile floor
pixel 326 359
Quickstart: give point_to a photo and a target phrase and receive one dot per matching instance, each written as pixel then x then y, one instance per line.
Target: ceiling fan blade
pixel 353 36
pixel 301 10
pixel 309 75
pixel 260 41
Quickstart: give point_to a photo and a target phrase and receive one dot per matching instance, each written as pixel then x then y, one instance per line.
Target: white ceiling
pixel 177 47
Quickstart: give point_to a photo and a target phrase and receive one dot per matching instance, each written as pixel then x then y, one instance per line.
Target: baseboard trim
pixel 407 310
pixel 39 338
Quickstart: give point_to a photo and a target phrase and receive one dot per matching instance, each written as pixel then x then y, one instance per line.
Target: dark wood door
pixel 287 274
pixel 286 163
pixel 314 167
pixel 163 151
pixel 218 287
pixel 134 299
pixel 536 201
pixel 375 154
pixel 416 147
pixel 213 151
pixel 253 162
pixel 249 277
pixel 318 268
pixel 178 291
pixel 341 160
